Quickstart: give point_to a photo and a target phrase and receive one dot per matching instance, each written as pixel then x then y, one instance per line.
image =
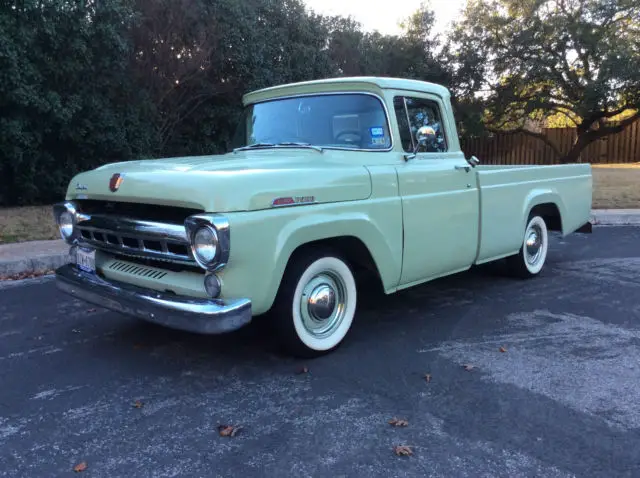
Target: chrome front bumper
pixel 204 316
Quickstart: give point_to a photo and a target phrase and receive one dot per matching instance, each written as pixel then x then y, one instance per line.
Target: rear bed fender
pixel 540 196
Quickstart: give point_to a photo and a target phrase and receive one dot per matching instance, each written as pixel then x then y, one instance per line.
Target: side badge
pixel 293 201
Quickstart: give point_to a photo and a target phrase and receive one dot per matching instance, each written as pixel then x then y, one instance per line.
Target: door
pixel 439 192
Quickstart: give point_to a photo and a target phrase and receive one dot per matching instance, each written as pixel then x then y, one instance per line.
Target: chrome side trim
pixel 221 225
pixel 204 316
pixel 354 92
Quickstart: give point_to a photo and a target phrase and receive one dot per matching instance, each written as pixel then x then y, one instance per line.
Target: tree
pixel 577 59
pixel 66 101
pixel 196 58
pixel 412 54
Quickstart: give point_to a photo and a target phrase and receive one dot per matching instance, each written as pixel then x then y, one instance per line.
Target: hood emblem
pixel 115 182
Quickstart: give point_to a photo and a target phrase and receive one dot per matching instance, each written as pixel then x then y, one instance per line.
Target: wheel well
pixel 551 215
pixel 352 249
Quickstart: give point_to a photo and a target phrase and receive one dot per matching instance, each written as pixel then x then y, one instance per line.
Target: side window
pixel 424 112
pixel 403 123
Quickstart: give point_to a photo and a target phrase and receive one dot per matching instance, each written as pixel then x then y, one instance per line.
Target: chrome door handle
pixel 460 168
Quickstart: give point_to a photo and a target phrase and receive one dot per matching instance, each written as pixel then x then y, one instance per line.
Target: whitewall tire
pixel 316 303
pixel 533 253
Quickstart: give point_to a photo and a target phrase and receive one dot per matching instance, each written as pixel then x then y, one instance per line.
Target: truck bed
pixel 509 192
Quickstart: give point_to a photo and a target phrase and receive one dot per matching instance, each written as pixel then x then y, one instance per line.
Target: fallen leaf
pixel 427 377
pixel 402 450
pixel 502 349
pixel 24 275
pixel 302 370
pixel 228 430
pixel 468 367
pixel 138 404
pixel 398 422
pixel 80 467
pixel 91 310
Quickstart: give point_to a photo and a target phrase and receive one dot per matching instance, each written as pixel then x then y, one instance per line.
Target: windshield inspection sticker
pixel 376 131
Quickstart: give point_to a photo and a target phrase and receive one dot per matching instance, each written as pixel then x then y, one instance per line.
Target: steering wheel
pixel 351 132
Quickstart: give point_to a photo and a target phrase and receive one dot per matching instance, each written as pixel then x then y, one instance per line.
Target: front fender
pixel 357 224
pixel 263 242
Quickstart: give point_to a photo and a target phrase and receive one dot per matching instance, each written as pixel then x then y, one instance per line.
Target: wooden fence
pixel 522 149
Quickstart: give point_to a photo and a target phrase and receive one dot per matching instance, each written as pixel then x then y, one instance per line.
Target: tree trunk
pixel 587 136
pixel 573 156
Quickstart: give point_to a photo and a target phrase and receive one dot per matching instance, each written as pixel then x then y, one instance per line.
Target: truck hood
pixel 242 181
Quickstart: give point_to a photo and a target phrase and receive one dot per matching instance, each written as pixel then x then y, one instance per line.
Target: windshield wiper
pixel 275 145
pixel 255 145
pixel 301 145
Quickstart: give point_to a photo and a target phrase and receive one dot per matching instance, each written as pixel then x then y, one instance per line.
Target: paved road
pixel 563 400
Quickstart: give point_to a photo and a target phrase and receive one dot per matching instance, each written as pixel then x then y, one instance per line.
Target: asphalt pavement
pixel 561 398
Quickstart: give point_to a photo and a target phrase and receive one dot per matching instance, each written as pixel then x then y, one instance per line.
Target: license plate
pixel 86 260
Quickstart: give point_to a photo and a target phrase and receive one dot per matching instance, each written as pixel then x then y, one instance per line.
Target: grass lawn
pixel 31 223
pixel 615 186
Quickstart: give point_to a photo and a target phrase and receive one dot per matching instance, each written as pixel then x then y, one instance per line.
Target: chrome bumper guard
pixel 204 316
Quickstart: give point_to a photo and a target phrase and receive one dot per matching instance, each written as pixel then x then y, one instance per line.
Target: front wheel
pixel 533 253
pixel 316 303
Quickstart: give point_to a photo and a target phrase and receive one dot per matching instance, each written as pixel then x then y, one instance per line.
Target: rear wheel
pixel 316 303
pixel 533 253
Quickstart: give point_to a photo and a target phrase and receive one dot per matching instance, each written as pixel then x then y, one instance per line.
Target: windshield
pixel 352 121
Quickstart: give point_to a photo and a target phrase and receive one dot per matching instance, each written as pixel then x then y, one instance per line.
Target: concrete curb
pixel 37 265
pixel 35 257
pixel 39 257
pixel 615 217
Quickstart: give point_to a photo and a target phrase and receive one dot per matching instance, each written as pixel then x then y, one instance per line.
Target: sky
pixel 385 16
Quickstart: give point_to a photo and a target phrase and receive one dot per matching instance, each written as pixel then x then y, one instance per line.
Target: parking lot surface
pixel 552 387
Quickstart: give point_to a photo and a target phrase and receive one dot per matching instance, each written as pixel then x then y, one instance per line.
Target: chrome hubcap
pixel 323 304
pixel 533 244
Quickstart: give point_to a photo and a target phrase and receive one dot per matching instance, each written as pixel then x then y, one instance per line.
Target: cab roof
pixel 352 83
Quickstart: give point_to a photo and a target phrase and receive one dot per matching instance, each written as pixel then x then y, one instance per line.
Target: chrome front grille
pixel 135 238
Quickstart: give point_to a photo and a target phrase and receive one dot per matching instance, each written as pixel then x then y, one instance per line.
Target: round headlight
pixel 65 223
pixel 205 244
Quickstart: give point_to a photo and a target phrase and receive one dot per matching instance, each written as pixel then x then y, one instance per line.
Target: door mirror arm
pixel 473 161
pixel 423 135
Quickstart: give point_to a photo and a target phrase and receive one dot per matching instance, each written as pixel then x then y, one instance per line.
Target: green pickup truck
pixel 329 181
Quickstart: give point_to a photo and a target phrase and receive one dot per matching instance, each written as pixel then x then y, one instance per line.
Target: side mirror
pixel 424 135
pixel 473 161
